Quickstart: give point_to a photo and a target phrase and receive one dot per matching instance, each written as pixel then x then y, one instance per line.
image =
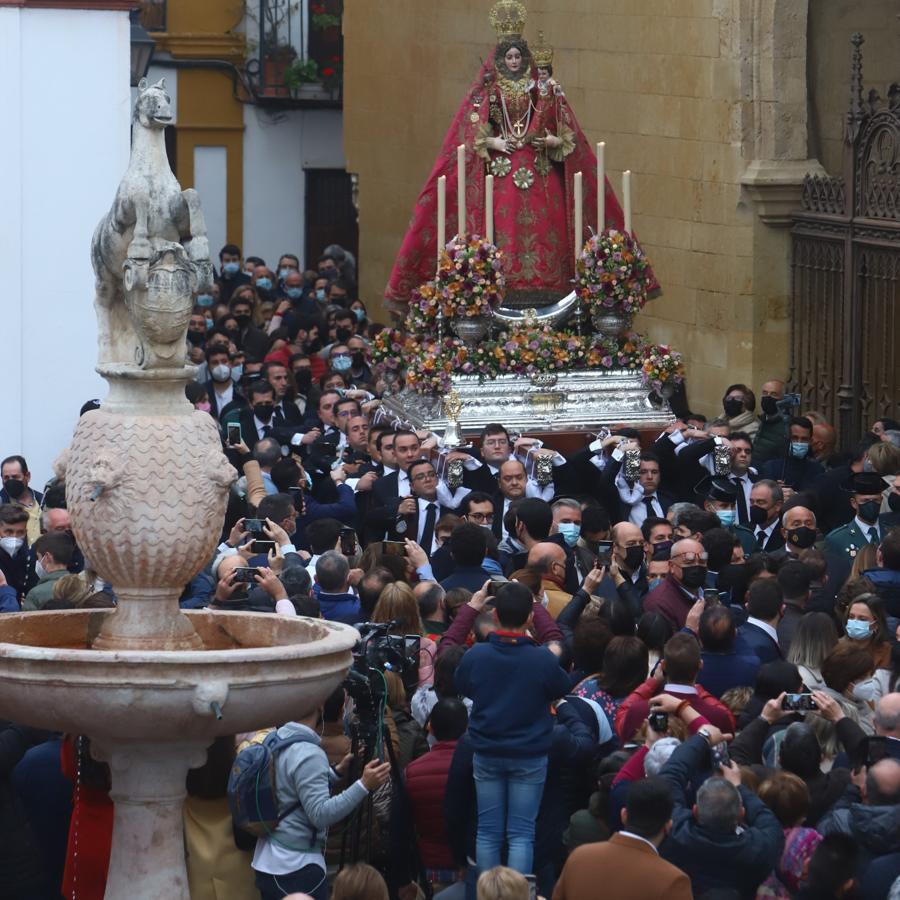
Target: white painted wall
pixel 65 147
pixel 277 148
pixel 211 183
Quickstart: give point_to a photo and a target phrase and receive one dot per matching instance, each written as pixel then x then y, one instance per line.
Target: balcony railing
pixel 300 51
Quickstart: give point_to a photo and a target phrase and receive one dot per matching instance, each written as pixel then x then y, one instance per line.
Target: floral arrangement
pixel 469 281
pixel 428 364
pixel 662 368
pixel 611 273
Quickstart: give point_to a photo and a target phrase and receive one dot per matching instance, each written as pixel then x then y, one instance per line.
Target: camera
pixel 245 575
pixel 710 597
pixel 604 553
pixel 254 526
pixel 659 721
pixel 798 702
pixel 785 405
pixel 720 757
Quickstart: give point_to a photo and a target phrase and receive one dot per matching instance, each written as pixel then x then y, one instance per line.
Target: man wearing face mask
pixel 296 296
pixel 339 359
pixel 766 501
pixel 231 275
pixel 17 489
pixel 721 499
pixel 771 440
pixel 798 470
pixel 263 281
pixel 257 421
pixel 220 388
pixel 832 502
pixel 301 369
pixel 844 543
pixel 249 338
pixel 798 528
pixel 626 568
pixel 567 520
pixel 739 403
pixel 13 547
pixel 53 553
pixel 360 372
pixel 683 586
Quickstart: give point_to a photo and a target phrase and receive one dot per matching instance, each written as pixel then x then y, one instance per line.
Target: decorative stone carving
pixel 150 252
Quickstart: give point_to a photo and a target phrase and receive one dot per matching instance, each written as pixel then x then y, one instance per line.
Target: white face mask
pixel 11 545
pixel 39 569
pixel 866 690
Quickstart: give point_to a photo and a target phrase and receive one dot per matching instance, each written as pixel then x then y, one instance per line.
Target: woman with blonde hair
pixel 397 602
pixel 359 882
pixel 501 883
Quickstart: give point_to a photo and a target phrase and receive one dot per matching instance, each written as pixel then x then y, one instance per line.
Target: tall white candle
pixel 601 186
pixel 461 188
pixel 579 231
pixel 489 208
pixel 441 216
pixel 626 198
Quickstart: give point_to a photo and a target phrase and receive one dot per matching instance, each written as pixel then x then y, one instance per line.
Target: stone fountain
pixel 146 487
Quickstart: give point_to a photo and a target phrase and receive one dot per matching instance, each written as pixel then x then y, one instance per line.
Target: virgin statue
pixel 516 124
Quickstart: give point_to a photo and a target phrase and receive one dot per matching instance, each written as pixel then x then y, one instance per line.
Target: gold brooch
pixel 474 117
pixel 500 166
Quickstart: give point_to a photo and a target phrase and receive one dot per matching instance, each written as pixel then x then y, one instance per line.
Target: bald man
pixel 799 530
pixel 771 440
pixel 683 586
pixel 824 440
pixel 550 560
pixel 887 722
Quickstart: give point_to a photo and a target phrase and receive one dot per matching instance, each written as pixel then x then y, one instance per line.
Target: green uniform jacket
pixel 840 549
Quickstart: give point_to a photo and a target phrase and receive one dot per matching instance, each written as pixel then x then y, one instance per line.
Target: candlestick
pixel 461 188
pixel 441 216
pixel 489 208
pixel 601 186
pixel 579 232
pixel 626 198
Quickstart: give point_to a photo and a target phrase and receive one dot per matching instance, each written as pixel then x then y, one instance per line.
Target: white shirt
pixel 633 495
pixel 261 425
pixel 637 837
pixel 423 512
pixel 679 688
pixel 765 626
pixel 223 398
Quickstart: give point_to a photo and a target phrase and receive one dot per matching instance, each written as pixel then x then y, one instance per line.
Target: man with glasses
pixel 417 514
pixel 683 586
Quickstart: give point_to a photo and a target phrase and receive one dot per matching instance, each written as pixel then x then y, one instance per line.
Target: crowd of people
pixel 665 665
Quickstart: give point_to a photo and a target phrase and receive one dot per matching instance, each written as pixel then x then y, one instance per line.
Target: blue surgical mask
pixel 237 372
pixel 264 284
pixel 866 690
pixel 231 268
pixel 205 299
pixel 341 363
pixel 209 323
pixel 320 294
pixel 726 517
pixel 799 449
pixel 858 629
pixel 570 532
pixel 284 272
pixel 294 293
pixel 655 582
pixel 360 314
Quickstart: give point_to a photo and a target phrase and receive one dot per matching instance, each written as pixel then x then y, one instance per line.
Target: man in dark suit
pixel 496 448
pixel 220 388
pixel 390 487
pixel 764 608
pixel 415 516
pixel 726 663
pixel 643 498
pixel 766 501
pixel 799 470
pixel 286 412
pixel 256 420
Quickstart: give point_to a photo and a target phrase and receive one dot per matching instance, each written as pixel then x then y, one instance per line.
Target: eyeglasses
pixel 481 517
pixel 692 558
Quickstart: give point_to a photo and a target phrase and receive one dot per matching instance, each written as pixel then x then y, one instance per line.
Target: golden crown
pixel 508 18
pixel 542 53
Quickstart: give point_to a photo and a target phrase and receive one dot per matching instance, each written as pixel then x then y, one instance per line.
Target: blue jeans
pixel 509 791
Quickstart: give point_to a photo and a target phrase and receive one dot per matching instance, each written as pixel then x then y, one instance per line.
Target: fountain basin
pixel 259 669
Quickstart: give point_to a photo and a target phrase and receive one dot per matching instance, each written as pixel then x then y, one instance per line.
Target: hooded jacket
pixel 875 828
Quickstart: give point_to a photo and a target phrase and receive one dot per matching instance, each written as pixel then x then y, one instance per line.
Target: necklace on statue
pixel 516 130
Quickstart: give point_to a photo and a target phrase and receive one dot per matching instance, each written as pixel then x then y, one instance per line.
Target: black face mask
pixel 801 537
pixel 358 358
pixel 343 335
pixel 303 379
pixel 733 408
pixel 894 501
pixel 693 576
pixel 263 411
pixel 243 321
pixel 197 338
pixel 758 515
pixel 634 558
pixel 769 405
pixel 314 345
pixel 14 488
pixel 662 550
pixel 869 510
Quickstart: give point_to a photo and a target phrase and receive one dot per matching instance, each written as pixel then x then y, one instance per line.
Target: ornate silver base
pixel 564 401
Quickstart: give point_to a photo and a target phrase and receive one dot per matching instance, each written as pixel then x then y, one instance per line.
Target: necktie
pixel 743 518
pixel 761 537
pixel 278 416
pixel 648 502
pixel 266 430
pixel 873 535
pixel 428 531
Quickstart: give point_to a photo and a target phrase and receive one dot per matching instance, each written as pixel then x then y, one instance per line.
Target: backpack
pixel 252 788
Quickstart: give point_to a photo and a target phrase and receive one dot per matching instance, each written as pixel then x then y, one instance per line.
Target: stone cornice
pixel 201 45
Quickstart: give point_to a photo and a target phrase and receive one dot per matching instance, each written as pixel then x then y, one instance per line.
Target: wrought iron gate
pixel 846 268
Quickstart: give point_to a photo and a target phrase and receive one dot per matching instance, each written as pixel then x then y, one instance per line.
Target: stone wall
pixel 686 93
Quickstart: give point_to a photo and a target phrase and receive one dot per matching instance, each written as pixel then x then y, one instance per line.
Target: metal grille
pixel 846 262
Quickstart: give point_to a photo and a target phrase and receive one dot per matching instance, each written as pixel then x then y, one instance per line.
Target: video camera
pixel 376 652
